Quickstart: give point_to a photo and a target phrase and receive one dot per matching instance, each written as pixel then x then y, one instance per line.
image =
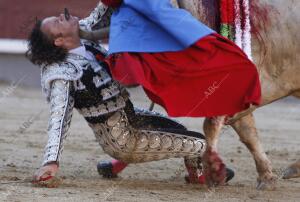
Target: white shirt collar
pixel 81 50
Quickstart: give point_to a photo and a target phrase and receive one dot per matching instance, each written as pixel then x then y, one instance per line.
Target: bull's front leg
pixel 246 129
pixel 292 171
pixel 214 168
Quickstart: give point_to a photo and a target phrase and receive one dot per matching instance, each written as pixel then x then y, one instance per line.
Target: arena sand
pixel 23 121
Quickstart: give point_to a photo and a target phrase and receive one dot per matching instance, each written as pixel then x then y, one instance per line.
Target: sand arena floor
pixel 23 121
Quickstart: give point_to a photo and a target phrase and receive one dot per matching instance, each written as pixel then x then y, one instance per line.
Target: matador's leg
pixel 131 143
pixel 139 119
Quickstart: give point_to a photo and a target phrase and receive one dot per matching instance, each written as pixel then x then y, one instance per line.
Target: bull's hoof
pixel 229 175
pixel 267 184
pixel 105 169
pixel 214 169
pixel 201 178
pixel 291 172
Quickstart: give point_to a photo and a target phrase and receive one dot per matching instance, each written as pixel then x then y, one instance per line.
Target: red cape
pixel 211 78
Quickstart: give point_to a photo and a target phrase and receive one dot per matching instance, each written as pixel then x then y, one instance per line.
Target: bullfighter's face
pixel 59 29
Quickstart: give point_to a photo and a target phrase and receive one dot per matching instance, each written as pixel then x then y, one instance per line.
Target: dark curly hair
pixel 41 48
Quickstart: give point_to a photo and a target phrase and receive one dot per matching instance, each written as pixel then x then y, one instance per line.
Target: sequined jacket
pixel 123 132
pixel 79 79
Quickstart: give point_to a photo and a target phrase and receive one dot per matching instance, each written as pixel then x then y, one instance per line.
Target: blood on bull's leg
pixel 214 168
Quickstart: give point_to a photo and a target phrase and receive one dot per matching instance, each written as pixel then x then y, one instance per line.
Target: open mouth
pixel 67 14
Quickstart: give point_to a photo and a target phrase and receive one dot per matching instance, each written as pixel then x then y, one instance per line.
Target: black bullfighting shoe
pixel 110 169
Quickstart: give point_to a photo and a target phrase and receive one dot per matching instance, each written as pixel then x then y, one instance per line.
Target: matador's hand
pixel 46 172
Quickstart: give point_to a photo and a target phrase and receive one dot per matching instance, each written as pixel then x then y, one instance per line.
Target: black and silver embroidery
pixel 99 18
pixel 125 133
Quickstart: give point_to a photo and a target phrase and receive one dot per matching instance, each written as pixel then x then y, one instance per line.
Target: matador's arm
pixel 61 107
pixel 96 25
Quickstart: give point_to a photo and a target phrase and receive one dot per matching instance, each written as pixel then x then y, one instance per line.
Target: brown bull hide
pixel 276 41
pixel 276 45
